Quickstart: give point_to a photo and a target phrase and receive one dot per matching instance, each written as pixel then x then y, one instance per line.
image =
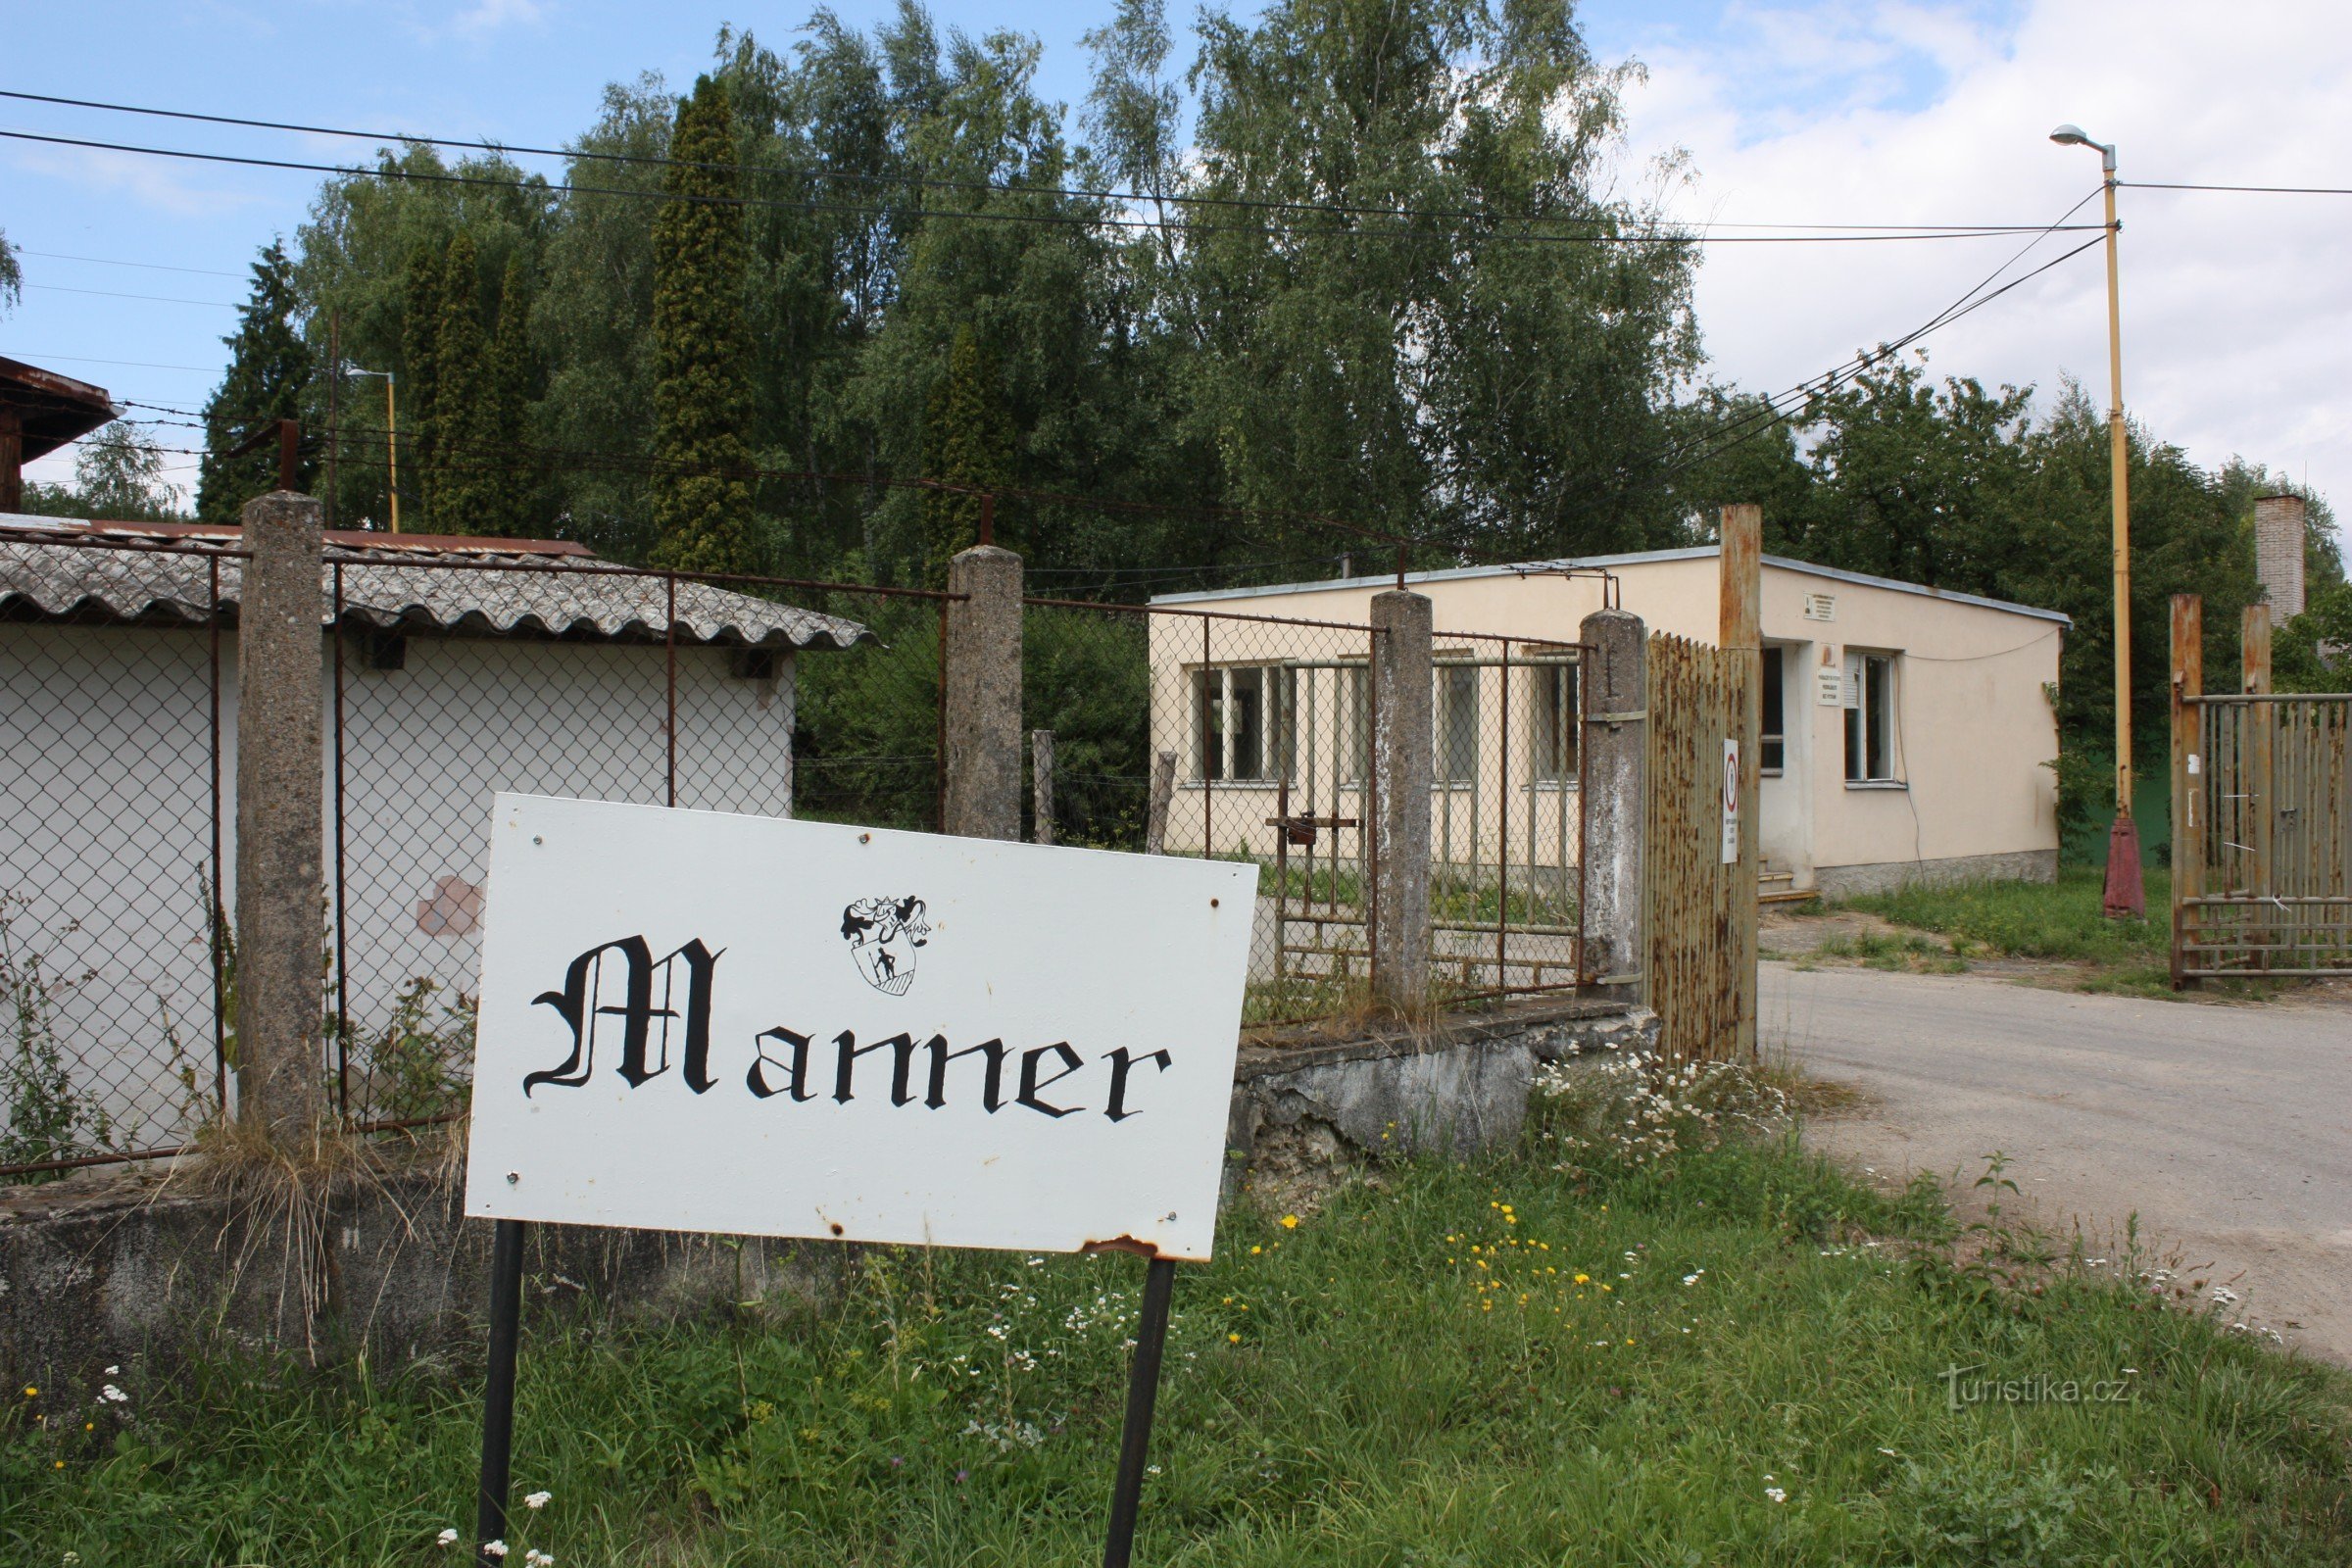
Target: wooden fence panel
pixel 1702 913
pixel 2266 887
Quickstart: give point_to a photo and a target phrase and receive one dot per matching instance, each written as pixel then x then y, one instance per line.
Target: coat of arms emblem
pixel 884 935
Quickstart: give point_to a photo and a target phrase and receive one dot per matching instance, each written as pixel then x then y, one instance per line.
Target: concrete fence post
pixel 281 850
pixel 1616 803
pixel 1402 758
pixel 983 696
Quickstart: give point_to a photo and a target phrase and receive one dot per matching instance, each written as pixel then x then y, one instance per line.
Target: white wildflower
pixel 1777 1493
pixel 114 1371
pixel 539 1559
pixel 537 1500
pixel 447 1537
pixel 494 1548
pixel 114 1395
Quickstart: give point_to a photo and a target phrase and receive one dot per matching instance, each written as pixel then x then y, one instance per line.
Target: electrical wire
pixel 112 294
pixel 993 187
pixel 107 261
pixel 1046 220
pixel 2244 191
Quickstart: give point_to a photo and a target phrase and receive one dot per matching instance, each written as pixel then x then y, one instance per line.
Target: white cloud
pixel 2237 328
pixel 486 16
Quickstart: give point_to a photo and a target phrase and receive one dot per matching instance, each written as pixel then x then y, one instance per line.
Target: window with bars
pixel 1455 731
pixel 1552 723
pixel 1772 749
pixel 1240 722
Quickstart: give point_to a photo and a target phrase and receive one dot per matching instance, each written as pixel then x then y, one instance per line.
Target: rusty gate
pixel 2262 840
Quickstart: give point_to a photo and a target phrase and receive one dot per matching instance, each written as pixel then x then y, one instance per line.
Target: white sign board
pixel 1730 801
pixel 698 1022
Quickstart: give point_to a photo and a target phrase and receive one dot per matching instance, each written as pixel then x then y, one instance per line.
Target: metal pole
pixel 670 709
pixel 334 429
pixel 1142 1392
pixel 342 930
pixel 2124 895
pixel 392 447
pixel 497 1395
pixel 1502 824
pixel 218 915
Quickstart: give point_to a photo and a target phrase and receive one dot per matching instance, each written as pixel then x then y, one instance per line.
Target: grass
pixel 1500 1364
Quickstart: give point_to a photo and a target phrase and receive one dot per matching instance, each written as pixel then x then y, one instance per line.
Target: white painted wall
pixel 103 749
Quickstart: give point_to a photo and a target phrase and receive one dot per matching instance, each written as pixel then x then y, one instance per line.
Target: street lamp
pixel 2126 894
pixel 391 437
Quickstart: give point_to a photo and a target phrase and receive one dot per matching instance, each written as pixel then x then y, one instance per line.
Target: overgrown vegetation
pixel 44 1114
pixel 1601 1349
pixel 2062 920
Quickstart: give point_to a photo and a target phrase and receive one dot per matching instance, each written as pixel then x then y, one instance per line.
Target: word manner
pixel 623 982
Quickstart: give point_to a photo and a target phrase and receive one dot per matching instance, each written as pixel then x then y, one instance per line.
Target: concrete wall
pixel 143 1262
pixel 1974 728
pixel 106 849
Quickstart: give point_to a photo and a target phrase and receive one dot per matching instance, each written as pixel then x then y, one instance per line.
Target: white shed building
pixel 454 668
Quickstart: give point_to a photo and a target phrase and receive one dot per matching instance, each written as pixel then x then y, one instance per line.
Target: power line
pixel 1047 219
pixel 2253 190
pixel 107 261
pixel 112 294
pixel 30 354
pixel 993 187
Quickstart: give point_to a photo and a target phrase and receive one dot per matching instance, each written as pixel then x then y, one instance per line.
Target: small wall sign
pixel 1730 801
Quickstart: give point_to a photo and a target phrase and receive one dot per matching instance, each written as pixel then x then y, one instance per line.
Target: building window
pixel 1869 697
pixel 1772 741
pixel 1552 723
pixel 1241 729
pixel 1455 730
pixel 1355 723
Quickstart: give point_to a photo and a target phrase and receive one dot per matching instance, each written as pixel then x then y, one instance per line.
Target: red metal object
pixel 2127 894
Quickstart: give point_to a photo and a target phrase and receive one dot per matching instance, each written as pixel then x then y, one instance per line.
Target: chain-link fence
pixel 471 675
pixel 1249 738
pixel 112 755
pixel 453 673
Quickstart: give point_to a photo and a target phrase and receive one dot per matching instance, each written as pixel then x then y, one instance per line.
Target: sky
pixel 2235 340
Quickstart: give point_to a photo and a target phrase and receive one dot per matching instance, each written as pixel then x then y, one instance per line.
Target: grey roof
pixel 480 591
pixel 1638 557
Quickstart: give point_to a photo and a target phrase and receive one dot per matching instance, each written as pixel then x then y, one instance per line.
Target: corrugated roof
pixel 515 588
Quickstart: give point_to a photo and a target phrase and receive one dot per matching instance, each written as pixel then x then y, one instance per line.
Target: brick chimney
pixel 2278 553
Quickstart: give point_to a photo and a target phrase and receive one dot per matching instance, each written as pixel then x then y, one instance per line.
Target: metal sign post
pixel 697 1022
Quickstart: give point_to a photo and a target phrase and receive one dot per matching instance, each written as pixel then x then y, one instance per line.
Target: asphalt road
pixel 2228 1129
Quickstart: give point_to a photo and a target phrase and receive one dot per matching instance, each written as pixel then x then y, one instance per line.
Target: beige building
pixel 1907 732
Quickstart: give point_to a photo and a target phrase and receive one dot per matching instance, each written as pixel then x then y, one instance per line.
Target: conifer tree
pixel 513 489
pixel 464 421
pixel 701 498
pixel 968 444
pixel 420 326
pixel 269 370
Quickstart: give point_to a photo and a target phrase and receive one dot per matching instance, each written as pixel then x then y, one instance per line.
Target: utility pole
pixel 2125 893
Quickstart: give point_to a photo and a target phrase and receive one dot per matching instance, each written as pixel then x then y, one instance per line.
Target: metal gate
pixel 2263 859
pixel 1699 909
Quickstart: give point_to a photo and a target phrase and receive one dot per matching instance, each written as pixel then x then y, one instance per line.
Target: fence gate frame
pixel 2262 819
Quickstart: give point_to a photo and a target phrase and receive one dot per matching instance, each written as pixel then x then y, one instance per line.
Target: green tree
pixel 511 500
pixel 12 274
pixel 2313 650
pixel 969 447
pixel 118 472
pixel 270 370
pixel 702 383
pixel 464 417
pixel 419 384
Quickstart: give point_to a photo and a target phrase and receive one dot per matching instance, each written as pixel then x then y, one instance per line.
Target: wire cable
pixel 1129 197
pixel 1048 219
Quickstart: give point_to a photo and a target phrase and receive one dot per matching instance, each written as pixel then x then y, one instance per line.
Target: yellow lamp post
pixel 2125 893
pixel 391 439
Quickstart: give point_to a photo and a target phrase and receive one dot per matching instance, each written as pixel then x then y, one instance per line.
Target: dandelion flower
pixel 1233 1339
pixel 1584 1279
pixel 1256 1250
pixel 537 1500
pixel 447 1537
pixel 1290 1222
pixel 32 1393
